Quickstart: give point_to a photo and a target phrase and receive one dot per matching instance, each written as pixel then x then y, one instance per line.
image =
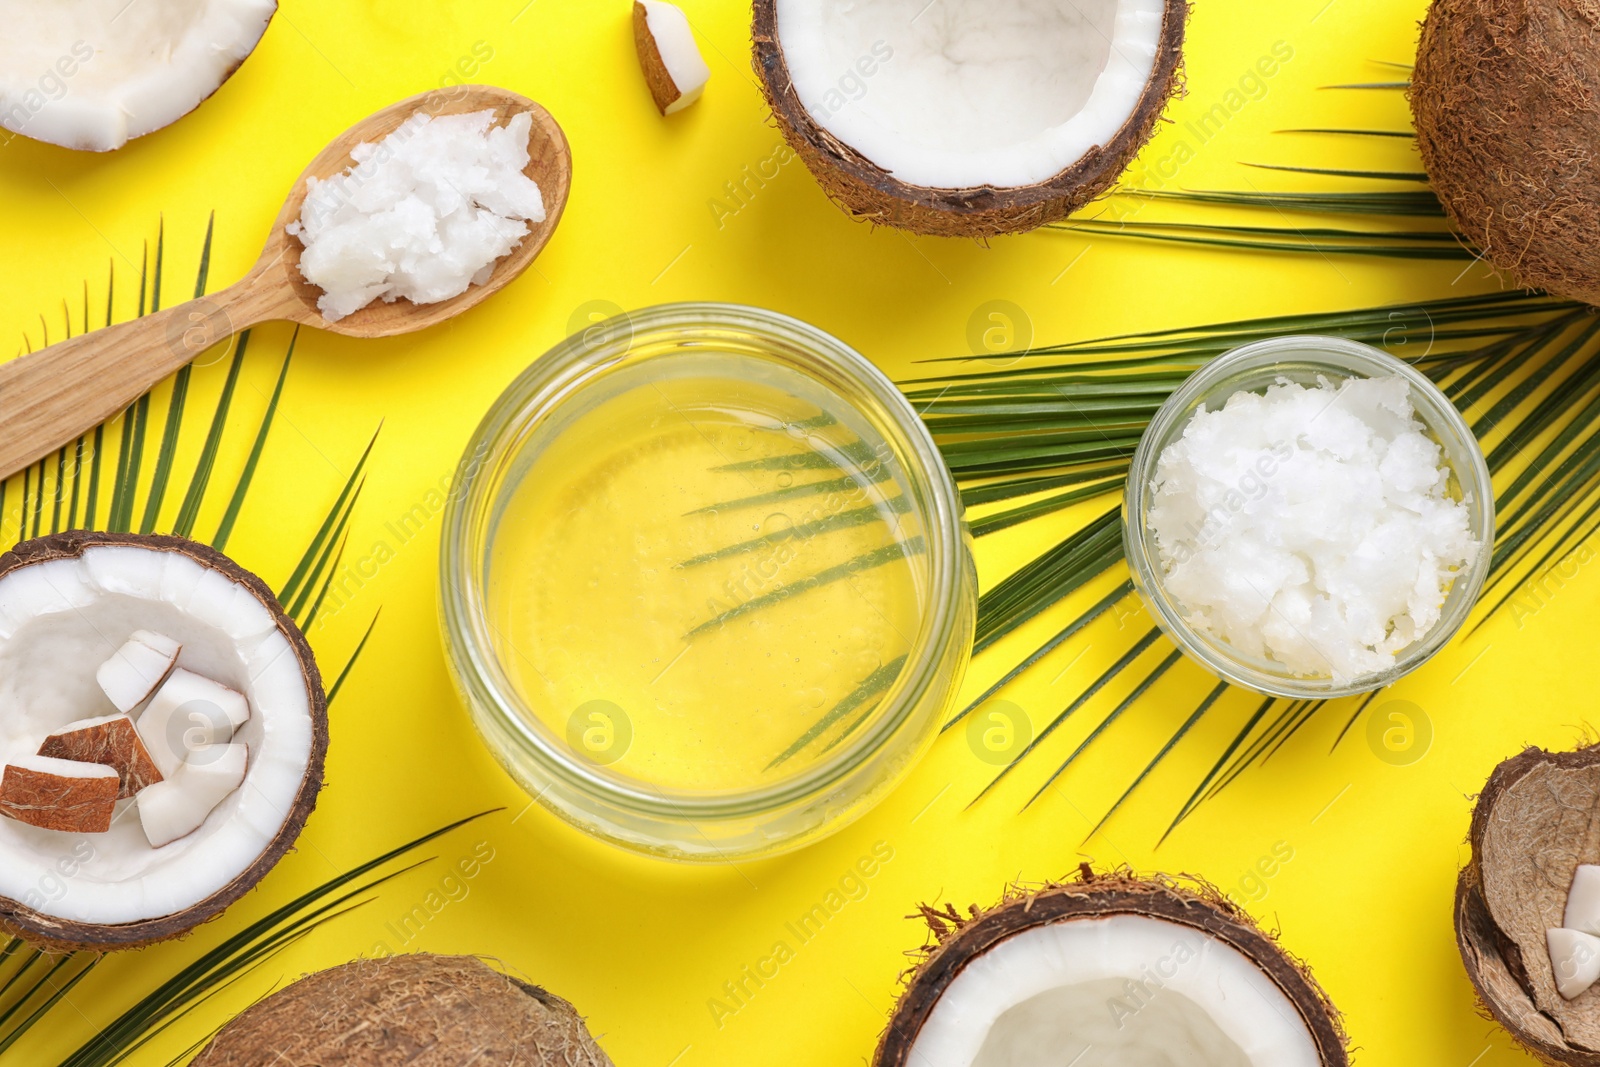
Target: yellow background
pixel 641 946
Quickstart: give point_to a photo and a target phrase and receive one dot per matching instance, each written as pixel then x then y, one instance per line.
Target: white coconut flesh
pixel 1122 991
pixel 669 28
pixel 93 74
pixel 965 93
pixel 61 618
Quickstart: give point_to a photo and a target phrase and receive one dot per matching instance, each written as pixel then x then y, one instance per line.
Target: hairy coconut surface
pixel 1506 100
pixel 107 871
pixel 907 124
pixel 961 943
pixel 419 1010
pixel 1536 820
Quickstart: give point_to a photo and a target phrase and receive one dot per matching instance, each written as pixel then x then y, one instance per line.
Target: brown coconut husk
pixel 56 934
pixel 419 1010
pixel 1506 100
pixel 1536 820
pixel 866 192
pixel 957 939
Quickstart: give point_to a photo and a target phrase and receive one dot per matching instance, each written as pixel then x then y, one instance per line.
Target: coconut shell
pixel 419 1010
pixel 958 939
pixel 63 935
pixel 1537 818
pixel 1506 100
pixel 865 191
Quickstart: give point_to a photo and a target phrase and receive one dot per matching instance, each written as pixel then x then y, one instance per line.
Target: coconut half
pixel 93 74
pixel 1506 100
pixel 1535 823
pixel 420 1009
pixel 967 117
pixel 68 602
pixel 1104 971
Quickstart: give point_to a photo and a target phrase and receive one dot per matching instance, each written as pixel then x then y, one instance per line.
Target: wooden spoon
pixel 50 397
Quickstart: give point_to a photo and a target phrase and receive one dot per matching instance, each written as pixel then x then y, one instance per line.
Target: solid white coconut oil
pixel 704 580
pixel 1315 526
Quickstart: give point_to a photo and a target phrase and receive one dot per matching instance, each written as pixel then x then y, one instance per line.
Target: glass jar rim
pixel 527 400
pixel 1343 358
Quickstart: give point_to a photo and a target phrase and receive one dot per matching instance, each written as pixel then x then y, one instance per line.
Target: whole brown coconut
pixel 36 925
pixel 959 939
pixel 865 191
pixel 419 1010
pixel 1536 820
pixel 1506 100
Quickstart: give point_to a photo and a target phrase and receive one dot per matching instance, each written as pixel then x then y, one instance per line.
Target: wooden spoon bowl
pixel 549 164
pixel 50 397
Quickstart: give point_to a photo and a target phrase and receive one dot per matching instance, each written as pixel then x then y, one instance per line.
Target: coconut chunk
pixel 1575 958
pixel 1583 900
pixel 58 794
pixel 135 670
pixel 112 740
pixel 188 712
pixel 673 67
pixel 178 806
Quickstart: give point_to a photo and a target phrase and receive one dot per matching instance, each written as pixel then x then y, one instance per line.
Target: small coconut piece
pixel 1583 900
pixel 422 1009
pixel 968 118
pixel 1141 970
pixel 58 794
pixel 1536 821
pixel 1506 100
pixel 178 806
pixel 1575 960
pixel 188 712
pixel 673 67
pixel 67 601
pixel 137 669
pixel 112 740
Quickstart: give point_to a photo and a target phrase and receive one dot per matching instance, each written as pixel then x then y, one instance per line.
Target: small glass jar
pixel 1304 359
pixel 547 400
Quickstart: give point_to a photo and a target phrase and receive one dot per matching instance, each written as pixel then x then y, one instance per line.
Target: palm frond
pixel 1402 244
pixel 32 984
pixel 1524 367
pixel 220 539
pixel 1421 203
pixel 1405 134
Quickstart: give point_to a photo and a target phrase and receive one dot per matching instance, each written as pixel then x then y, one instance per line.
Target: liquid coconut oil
pixel 707 576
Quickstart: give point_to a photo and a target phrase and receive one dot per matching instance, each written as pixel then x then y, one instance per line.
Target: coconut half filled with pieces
pixel 162 734
pixel 1105 971
pixel 1527 911
pixel 93 74
pixel 967 117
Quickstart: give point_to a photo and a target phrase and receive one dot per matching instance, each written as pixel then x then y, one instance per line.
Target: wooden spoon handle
pixel 49 397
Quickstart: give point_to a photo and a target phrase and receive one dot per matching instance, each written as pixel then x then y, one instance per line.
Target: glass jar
pixel 526 441
pixel 1304 359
